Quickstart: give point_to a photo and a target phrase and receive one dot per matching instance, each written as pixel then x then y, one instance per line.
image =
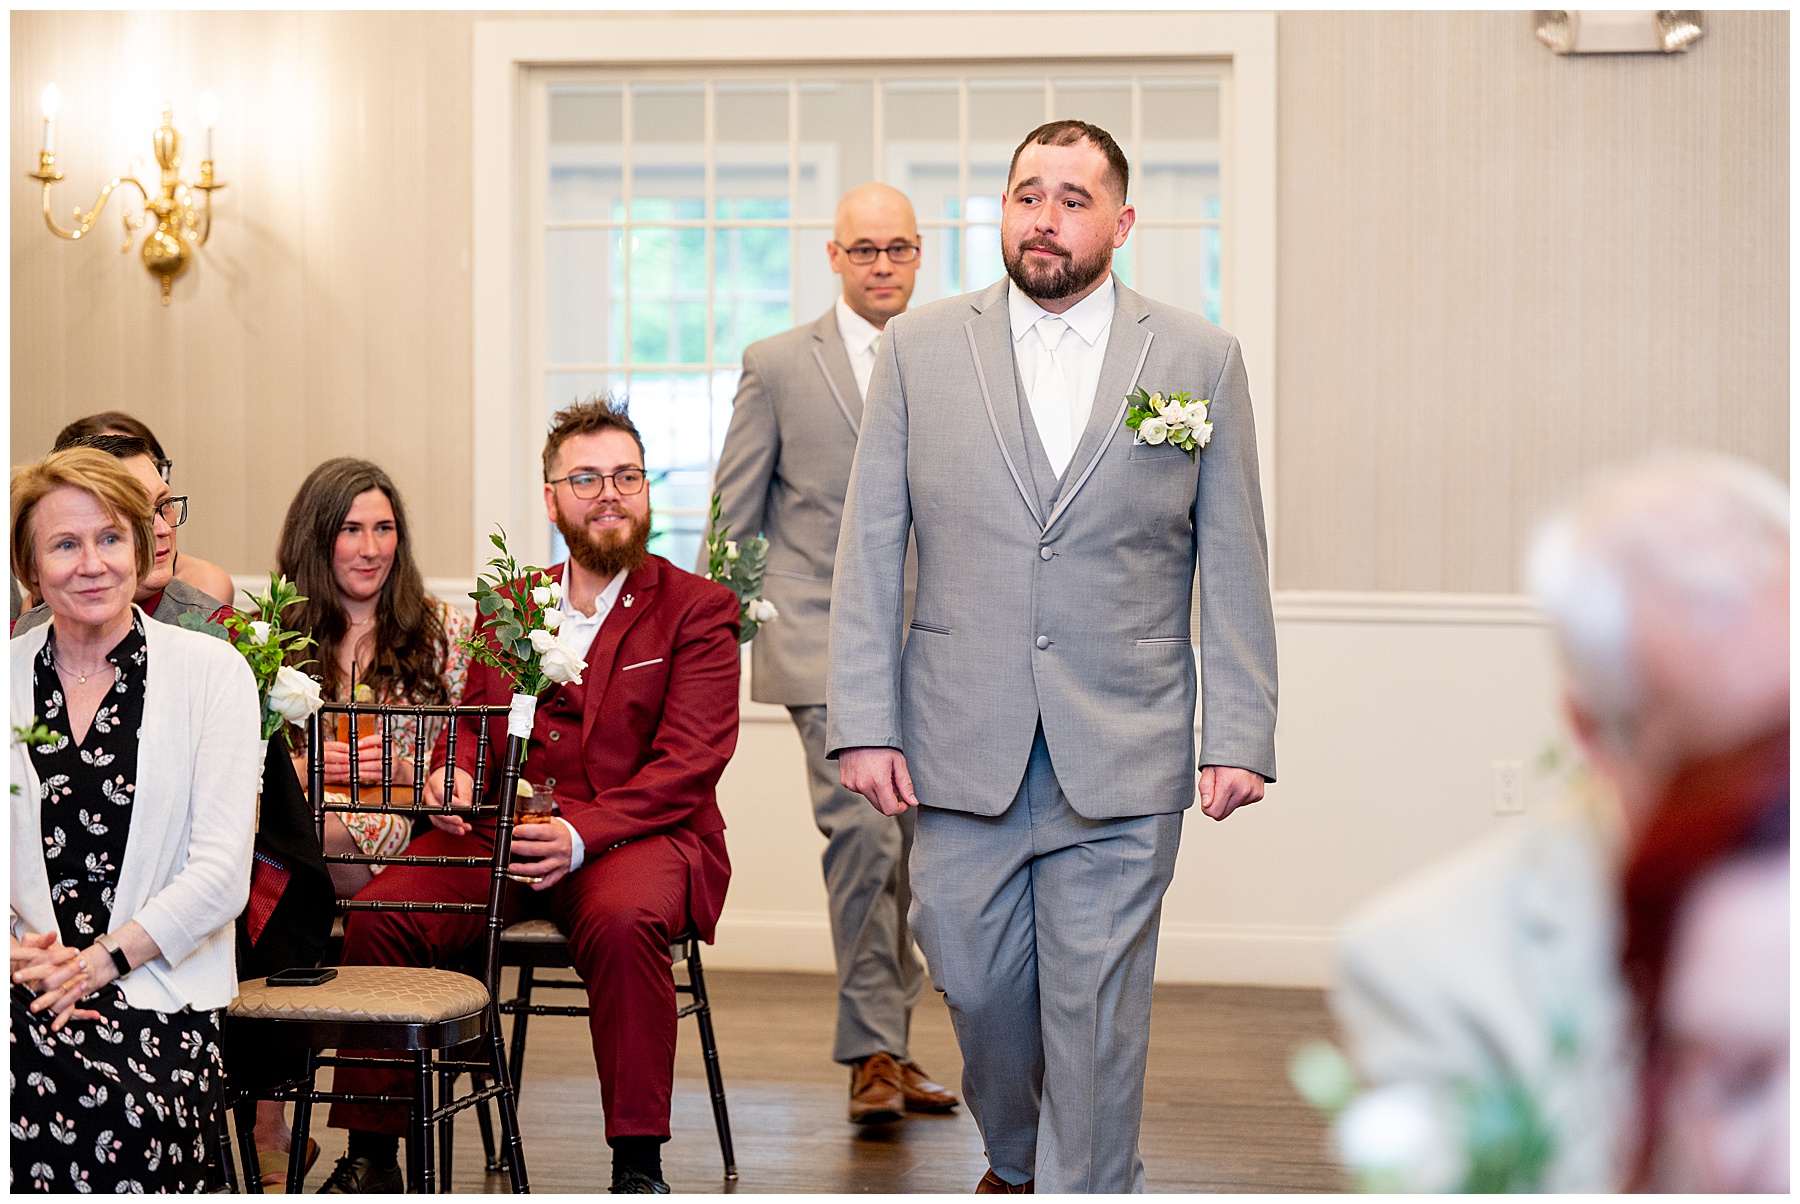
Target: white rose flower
pixel 552 618
pixel 731 552
pixel 259 632
pixel 293 695
pixel 541 595
pixel 1153 430
pixel 556 594
pixel 1399 1133
pixel 763 611
pixel 559 662
pixel 1203 434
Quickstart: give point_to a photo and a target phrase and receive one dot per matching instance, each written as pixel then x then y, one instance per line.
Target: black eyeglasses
pixel 863 255
pixel 173 511
pixel 586 485
pixel 163 468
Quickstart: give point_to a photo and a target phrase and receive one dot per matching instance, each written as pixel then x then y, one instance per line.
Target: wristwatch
pixel 110 943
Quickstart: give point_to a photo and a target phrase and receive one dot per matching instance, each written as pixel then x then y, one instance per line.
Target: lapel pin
pixel 628 601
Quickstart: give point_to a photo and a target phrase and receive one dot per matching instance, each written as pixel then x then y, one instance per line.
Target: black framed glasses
pixel 586 485
pixel 174 510
pixel 862 254
pixel 163 468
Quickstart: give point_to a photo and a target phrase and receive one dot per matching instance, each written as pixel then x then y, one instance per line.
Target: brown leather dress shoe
pixel 875 1094
pixel 993 1185
pixel 923 1095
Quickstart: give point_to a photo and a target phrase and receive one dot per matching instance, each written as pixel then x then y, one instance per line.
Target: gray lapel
pixel 1127 347
pixel 990 343
pixel 834 364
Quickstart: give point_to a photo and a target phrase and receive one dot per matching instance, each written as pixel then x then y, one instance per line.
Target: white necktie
pixel 1050 399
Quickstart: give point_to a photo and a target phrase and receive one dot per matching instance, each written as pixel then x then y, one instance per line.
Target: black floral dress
pixel 124 1103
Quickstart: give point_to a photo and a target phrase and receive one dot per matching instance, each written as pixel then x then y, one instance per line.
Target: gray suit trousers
pixel 1040 928
pixel 879 975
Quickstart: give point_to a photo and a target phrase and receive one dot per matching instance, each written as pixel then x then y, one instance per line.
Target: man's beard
pixel 1053 282
pixel 612 551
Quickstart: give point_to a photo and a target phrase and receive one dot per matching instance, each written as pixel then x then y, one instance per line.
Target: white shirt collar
pixel 1088 318
pixel 856 331
pixel 603 601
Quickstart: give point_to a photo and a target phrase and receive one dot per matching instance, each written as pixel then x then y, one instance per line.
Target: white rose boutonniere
pixel 1175 418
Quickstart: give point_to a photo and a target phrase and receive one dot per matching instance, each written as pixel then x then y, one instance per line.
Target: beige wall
pixel 1500 268
pixel 328 315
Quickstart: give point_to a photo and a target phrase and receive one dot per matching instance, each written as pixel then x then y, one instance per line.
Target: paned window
pixel 684 215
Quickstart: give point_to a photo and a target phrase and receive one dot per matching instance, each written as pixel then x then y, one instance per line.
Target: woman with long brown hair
pixel 346 546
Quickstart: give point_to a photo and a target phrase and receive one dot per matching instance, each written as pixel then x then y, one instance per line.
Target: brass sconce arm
pixel 84 222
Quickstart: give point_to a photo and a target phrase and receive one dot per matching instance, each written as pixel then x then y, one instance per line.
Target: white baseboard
pixel 773 940
pixel 1263 955
pixel 1212 953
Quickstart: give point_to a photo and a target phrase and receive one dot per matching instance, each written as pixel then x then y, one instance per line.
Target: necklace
pixel 80 678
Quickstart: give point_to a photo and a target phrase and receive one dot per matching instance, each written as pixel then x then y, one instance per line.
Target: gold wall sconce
pixel 179 222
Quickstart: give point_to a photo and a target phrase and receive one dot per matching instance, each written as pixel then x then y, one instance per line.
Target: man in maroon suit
pixel 632 755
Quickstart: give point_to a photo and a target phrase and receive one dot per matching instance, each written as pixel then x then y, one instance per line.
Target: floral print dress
pixel 385 833
pixel 124 1103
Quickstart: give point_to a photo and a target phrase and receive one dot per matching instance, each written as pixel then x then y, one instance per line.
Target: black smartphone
pixel 303 976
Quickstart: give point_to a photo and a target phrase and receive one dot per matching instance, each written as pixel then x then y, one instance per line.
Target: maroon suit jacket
pixel 654 740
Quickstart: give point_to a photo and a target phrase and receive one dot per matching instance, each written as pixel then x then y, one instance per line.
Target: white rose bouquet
pixel 740 569
pixel 286 693
pixel 522 605
pixel 1172 418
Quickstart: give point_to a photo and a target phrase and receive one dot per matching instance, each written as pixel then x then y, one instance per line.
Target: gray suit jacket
pixel 178 598
pixel 1061 601
pixel 783 473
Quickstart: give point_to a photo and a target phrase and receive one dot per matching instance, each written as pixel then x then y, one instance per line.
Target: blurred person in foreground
pixel 160 593
pixel 1666 591
pixel 203 575
pixel 131 843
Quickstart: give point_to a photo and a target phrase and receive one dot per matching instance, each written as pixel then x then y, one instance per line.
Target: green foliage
pixel 504 601
pixel 193 620
pixel 1323 1076
pixel 737 567
pixel 33 733
pixel 1508 1142
pixel 267 655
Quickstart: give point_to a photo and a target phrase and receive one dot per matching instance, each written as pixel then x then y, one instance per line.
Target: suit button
pixel 1045 553
pixel 1043 641
pixel 555 736
pixel 550 782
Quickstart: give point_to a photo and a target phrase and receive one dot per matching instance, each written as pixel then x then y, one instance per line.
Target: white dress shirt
pixel 1060 379
pixel 860 340
pixel 578 632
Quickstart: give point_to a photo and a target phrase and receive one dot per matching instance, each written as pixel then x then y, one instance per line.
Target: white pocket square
pixel 641 664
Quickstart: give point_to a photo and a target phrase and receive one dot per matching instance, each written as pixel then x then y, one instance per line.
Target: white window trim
pixel 506 432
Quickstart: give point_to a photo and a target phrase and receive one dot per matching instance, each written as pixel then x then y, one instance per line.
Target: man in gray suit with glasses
pixel 783 472
pixel 1041 715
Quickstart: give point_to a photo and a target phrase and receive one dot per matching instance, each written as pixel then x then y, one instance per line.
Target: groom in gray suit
pixel 1041 715
pixel 782 473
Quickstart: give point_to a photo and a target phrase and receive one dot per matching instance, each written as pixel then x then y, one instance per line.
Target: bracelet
pixel 107 942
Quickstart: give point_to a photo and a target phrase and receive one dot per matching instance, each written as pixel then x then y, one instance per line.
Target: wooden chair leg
pixel 420 1125
pixel 709 1049
pixel 296 1180
pixel 521 1019
pixel 446 1131
pixel 222 1146
pixel 509 1112
pixel 244 1111
pixel 485 1118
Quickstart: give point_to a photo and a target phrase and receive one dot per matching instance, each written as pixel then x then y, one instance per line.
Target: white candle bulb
pixel 51 101
pixel 209 116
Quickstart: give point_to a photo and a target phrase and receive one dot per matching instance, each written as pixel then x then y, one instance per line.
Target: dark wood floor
pixel 1218 1114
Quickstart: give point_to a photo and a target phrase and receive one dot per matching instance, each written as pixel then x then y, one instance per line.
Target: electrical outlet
pixel 1509 787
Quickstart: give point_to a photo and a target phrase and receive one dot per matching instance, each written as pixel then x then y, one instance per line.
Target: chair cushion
pixel 533 932
pixel 372 994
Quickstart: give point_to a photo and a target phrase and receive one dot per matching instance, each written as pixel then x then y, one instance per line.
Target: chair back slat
pixel 500 810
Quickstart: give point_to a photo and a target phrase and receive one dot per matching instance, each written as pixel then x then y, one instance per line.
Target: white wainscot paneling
pixel 1393 710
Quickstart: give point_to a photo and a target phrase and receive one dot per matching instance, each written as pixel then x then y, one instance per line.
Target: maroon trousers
pixel 620 911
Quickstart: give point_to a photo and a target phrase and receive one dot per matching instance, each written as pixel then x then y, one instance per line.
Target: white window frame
pixel 507 126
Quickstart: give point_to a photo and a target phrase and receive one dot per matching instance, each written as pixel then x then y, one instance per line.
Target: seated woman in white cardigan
pixel 132 821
